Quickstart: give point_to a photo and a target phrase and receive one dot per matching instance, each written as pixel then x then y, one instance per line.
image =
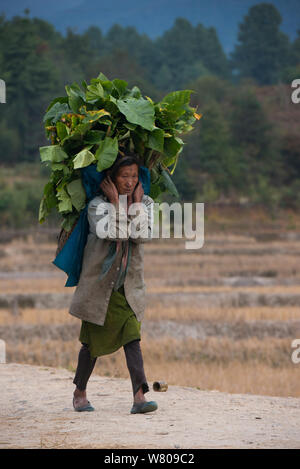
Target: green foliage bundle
pixel 96 122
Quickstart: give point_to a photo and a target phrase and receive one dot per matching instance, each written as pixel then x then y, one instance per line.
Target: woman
pixel 110 295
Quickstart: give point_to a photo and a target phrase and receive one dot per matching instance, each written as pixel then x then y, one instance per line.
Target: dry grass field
pixel 222 317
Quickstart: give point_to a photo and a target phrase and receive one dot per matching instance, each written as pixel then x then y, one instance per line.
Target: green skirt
pixel 120 327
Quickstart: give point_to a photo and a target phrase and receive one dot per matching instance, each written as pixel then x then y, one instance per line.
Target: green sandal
pixel 143 407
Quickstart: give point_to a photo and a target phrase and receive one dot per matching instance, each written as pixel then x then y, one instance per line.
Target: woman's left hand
pixel 110 190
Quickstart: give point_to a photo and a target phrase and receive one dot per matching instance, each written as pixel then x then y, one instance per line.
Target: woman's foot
pixel 80 402
pixel 140 405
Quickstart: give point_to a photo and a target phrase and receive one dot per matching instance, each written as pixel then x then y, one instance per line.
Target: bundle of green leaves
pixel 94 123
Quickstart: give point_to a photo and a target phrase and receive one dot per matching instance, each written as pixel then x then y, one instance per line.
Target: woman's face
pixel 126 179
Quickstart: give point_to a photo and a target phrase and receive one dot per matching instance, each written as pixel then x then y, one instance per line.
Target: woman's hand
pixel 110 190
pixel 138 193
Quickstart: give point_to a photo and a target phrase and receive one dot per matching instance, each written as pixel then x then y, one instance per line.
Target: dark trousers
pixel 134 362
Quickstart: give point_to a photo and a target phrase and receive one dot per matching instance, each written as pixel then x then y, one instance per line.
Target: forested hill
pixel 153 17
pixel 246 145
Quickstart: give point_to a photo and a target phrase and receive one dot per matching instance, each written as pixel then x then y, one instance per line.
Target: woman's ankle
pixel 79 393
pixel 139 396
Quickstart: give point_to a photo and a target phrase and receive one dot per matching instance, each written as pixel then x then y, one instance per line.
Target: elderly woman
pixel 110 295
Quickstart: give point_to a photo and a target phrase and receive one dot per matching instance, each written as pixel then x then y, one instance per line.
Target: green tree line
pixel 236 149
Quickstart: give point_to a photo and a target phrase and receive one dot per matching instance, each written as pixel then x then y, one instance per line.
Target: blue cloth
pixel 69 259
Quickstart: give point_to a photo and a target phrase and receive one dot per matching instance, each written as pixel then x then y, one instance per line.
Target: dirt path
pixel 36 412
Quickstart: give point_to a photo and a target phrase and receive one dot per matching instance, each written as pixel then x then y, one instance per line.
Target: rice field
pixel 222 317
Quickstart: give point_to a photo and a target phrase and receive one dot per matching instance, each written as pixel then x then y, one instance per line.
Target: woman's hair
pixel 127 160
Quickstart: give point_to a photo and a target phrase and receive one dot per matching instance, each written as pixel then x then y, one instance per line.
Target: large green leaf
pixel 120 86
pixel 77 193
pixel 76 96
pixel 56 111
pixel 62 130
pixel 169 184
pixel 108 88
pixel 174 106
pixel 171 146
pixel 48 201
pixel 49 192
pixel 75 102
pixel 53 153
pixel 75 89
pixel 178 97
pixel 43 210
pixel 138 111
pixel 94 136
pixel 106 84
pixel 83 158
pixel 107 153
pixel 65 204
pixel 94 91
pixel 60 99
pixel 156 140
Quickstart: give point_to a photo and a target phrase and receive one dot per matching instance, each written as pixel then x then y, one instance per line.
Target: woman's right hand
pixel 110 190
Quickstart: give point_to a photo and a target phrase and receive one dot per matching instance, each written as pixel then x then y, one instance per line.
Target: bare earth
pixel 36 412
